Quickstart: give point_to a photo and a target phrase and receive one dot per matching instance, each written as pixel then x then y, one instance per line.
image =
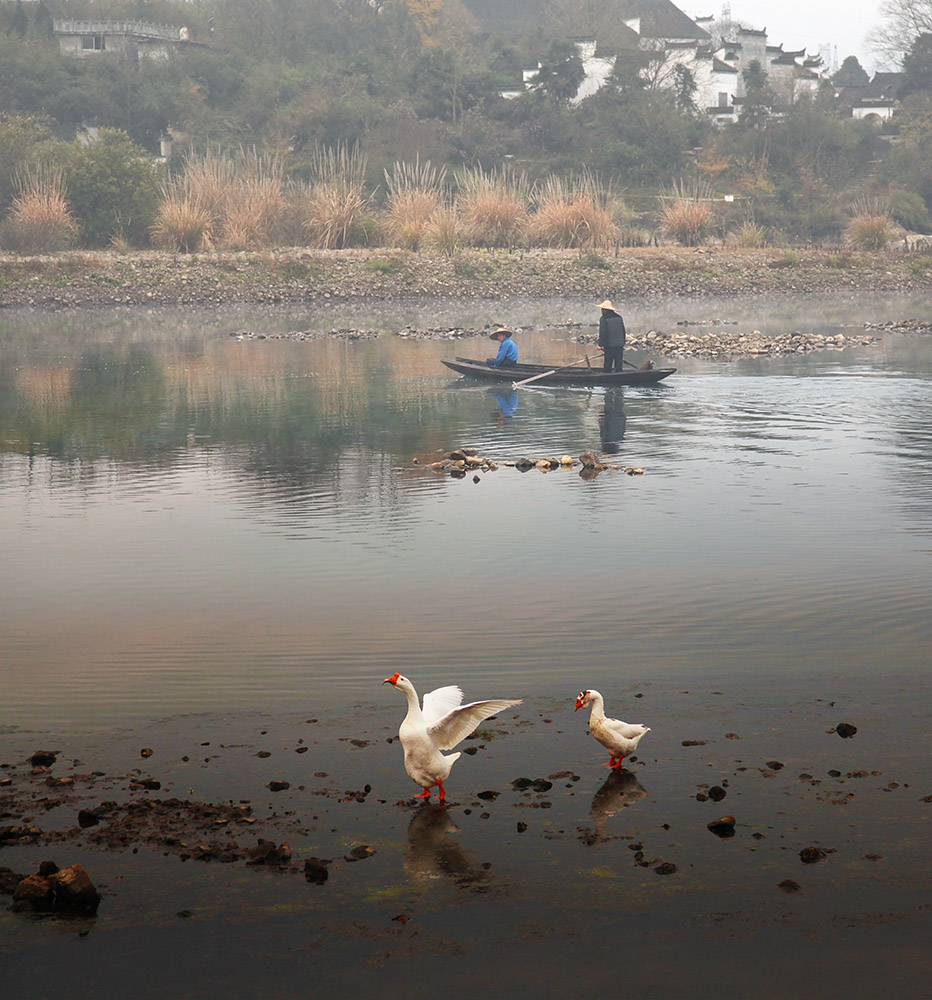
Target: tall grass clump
pixel 573 212
pixel 749 235
pixel 444 232
pixel 686 214
pixel 871 227
pixel 40 219
pixel 182 222
pixel 332 204
pixel 255 209
pixel 415 192
pixel 494 206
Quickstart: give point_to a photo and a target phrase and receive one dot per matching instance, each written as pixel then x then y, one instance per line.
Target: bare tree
pixel 903 22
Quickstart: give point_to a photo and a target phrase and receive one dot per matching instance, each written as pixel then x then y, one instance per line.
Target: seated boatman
pixel 507 350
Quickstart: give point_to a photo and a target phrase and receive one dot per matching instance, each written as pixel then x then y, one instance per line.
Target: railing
pixel 137 29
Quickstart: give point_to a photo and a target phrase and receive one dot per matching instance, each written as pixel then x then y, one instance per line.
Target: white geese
pixel 619 738
pixel 442 723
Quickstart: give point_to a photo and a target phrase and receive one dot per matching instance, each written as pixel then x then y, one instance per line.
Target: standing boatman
pixel 611 337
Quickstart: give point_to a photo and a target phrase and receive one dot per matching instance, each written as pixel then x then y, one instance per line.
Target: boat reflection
pixel 432 853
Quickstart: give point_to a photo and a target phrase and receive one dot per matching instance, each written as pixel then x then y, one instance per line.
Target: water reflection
pixel 620 790
pixel 432 852
pixel 507 401
pixel 252 509
pixel 612 421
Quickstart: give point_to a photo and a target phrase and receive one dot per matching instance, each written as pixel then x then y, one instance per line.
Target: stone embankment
pixel 104 278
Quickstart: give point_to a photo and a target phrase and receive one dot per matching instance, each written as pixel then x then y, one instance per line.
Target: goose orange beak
pixel 393 679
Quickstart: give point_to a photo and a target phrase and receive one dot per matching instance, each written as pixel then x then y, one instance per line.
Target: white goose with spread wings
pixel 442 723
pixel 619 738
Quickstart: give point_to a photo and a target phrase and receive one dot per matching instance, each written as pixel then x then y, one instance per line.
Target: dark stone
pixel 845 730
pixel 359 853
pixel 723 827
pixel 87 817
pixel 774 765
pixel 810 855
pixel 315 871
pixel 788 885
pixel 665 868
pixel 521 783
pixel 279 786
pixel 266 852
pixel 43 758
pixel 717 793
pixel 521 826
pixel 145 752
pixel 488 796
pixel 693 743
pixel 74 891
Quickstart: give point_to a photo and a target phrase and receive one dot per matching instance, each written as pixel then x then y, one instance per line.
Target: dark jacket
pixel 611 330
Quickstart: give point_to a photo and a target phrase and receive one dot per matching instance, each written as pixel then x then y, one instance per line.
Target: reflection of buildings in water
pixel 432 852
pixel 621 789
pixel 612 420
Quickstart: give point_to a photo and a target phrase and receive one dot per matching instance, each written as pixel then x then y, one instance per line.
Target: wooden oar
pixel 534 378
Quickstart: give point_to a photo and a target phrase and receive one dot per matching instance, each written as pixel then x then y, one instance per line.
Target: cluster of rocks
pixel 461 461
pixel 51 890
pixel 299 335
pixel 98 278
pixel 901 326
pixel 727 345
pixel 719 344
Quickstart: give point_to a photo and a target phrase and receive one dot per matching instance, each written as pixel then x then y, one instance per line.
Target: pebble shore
pixel 108 278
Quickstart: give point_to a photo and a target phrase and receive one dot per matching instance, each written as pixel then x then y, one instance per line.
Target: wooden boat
pixel 571 375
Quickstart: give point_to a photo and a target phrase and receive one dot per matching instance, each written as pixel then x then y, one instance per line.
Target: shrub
pixel 40 219
pixel 112 187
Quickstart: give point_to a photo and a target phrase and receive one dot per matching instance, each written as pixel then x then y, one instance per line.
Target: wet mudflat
pixel 268 852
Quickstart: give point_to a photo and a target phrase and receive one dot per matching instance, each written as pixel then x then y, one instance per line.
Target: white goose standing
pixel 442 723
pixel 619 738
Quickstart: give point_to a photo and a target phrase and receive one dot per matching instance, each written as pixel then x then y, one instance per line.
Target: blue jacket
pixel 507 351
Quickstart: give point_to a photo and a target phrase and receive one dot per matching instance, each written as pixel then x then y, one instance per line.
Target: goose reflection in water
pixel 432 853
pixel 620 790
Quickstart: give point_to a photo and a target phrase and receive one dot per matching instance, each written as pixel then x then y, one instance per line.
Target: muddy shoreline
pixel 94 279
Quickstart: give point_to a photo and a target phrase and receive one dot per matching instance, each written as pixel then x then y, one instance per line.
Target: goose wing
pixel 441 701
pixel 624 730
pixel 459 722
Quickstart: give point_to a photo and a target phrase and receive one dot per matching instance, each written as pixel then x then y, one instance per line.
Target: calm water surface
pixel 216 546
pixel 197 522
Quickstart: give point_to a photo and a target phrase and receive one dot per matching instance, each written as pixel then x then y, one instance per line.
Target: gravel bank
pixel 96 279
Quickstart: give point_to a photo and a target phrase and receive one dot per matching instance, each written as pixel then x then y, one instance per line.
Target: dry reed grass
pixel 40 219
pixel 415 192
pixel 332 205
pixel 444 233
pixel 686 214
pixel 871 226
pixel 494 207
pixel 573 212
pixel 748 235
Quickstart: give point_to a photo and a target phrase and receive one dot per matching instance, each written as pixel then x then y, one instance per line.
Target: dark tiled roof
pixel 658 18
